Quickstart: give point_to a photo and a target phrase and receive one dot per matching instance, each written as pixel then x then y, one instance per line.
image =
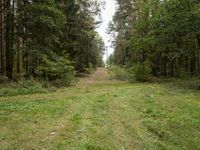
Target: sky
pixel 107 15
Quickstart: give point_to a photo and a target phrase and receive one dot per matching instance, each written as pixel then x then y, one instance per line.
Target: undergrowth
pixel 22 87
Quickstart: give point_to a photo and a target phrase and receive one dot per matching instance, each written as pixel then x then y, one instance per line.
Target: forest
pixel 49 39
pixel 99 75
pixel 163 37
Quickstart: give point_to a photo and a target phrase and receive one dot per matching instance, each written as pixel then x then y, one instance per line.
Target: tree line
pixel 48 38
pixel 163 36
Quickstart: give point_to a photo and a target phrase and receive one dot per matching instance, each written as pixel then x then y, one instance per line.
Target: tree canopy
pixel 164 36
pixel 40 38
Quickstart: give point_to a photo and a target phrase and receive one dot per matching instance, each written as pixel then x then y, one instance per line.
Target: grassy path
pixel 100 114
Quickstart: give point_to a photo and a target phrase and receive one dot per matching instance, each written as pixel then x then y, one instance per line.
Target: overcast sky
pixel 107 15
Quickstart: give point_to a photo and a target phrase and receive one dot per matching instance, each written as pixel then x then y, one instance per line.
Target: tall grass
pixel 22 87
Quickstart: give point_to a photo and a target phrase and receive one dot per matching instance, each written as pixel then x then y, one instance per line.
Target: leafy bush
pixel 139 73
pixel 135 73
pixel 119 73
pixel 60 71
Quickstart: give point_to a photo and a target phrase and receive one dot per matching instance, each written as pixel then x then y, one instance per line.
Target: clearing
pixel 103 114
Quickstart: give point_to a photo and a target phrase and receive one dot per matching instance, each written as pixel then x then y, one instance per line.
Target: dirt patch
pixel 99 76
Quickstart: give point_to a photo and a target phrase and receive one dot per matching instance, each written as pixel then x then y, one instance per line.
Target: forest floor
pixel 102 114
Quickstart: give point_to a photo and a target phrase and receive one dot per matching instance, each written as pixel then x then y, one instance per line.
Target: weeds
pixel 22 88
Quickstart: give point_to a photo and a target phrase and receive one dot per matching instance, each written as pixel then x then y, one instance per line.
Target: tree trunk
pixel 12 34
pixel 9 53
pixel 172 68
pixel 165 69
pixel 192 64
pixel 19 40
pixel 198 42
pixel 187 64
pixel 18 57
pixel 2 51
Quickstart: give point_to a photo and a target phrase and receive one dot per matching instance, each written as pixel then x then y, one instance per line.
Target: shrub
pixel 139 73
pixel 53 71
pixel 135 73
pixel 118 73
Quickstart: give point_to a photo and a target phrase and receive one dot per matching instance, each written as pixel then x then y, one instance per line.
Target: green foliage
pixel 90 69
pixel 139 73
pixel 166 34
pixel 36 31
pixel 136 72
pixel 55 70
pixel 118 73
pixel 83 44
pixel 22 87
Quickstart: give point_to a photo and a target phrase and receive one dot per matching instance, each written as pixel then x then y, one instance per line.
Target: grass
pixel 103 115
pixel 21 88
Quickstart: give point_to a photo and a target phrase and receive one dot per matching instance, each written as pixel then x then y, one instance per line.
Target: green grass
pixel 109 115
pixel 21 88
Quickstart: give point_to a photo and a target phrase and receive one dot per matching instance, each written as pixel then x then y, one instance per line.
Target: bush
pixel 118 73
pixel 135 73
pixel 53 71
pixel 139 73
